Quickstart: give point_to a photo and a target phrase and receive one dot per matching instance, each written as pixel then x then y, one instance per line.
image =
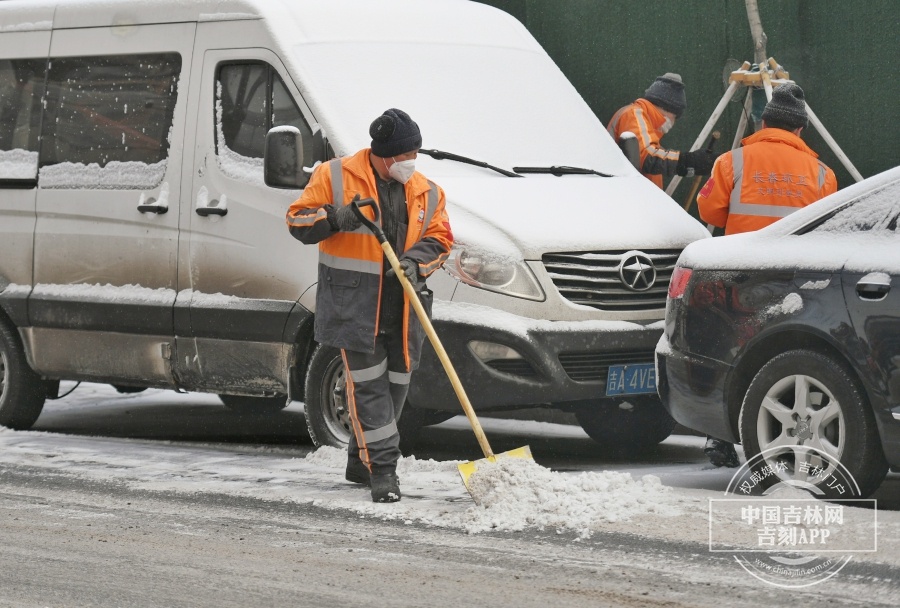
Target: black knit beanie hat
pixel 394 133
pixel 787 108
pixel 667 92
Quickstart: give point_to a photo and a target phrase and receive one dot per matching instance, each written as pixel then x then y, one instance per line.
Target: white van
pixel 140 246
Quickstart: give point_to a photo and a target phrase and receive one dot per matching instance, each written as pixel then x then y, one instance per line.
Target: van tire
pixel 254 405
pixel 626 430
pixel 22 391
pixel 327 413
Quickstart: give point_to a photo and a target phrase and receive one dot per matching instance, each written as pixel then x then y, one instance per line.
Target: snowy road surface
pixel 164 499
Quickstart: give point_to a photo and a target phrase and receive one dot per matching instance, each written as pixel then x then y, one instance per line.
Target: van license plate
pixel 635 379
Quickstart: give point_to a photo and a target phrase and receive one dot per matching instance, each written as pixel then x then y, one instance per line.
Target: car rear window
pixel 876 211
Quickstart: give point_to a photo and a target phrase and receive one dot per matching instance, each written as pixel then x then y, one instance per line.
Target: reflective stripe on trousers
pixel 377 386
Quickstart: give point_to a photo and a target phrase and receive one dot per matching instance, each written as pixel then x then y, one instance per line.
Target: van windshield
pixel 505 106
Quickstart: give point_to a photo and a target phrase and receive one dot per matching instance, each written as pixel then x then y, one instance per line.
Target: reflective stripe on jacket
pixel 772 175
pixel 351 263
pixel 644 120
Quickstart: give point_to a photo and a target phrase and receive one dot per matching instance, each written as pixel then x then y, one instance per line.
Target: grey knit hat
pixel 394 133
pixel 787 108
pixel 667 92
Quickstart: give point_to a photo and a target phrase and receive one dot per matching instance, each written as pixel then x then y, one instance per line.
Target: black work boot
pixel 385 487
pixel 721 453
pixel 357 472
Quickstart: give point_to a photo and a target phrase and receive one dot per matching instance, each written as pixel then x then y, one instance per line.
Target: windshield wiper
pixel 440 155
pixel 558 171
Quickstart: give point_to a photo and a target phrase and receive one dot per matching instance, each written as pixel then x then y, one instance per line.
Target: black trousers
pixel 377 386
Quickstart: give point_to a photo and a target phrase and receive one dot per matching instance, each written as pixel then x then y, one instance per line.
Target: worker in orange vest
pixel 649 118
pixel 770 176
pixel 361 306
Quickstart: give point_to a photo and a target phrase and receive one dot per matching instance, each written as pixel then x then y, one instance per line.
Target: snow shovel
pixel 466 468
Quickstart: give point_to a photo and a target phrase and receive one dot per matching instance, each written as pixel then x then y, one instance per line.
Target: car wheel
pixel 806 399
pixel 628 426
pixel 22 391
pixel 327 412
pixel 254 405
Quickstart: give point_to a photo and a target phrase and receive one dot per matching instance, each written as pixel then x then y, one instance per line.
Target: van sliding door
pixel 106 240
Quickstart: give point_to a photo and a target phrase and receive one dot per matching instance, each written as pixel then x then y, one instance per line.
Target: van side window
pixel 251 98
pixel 105 111
pixel 21 92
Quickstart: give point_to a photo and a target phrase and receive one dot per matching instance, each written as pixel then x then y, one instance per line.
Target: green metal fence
pixel 843 53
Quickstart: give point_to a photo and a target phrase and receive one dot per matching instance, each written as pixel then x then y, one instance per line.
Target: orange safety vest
pixel 644 120
pixel 351 263
pixel 772 175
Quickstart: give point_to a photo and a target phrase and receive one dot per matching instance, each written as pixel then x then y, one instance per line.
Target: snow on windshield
pixel 509 107
pixel 876 212
pixel 470 75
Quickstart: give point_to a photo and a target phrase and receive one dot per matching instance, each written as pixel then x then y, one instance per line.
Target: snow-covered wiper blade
pixel 557 171
pixel 440 155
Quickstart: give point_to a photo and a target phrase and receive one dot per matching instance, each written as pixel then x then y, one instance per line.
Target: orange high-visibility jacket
pixel 772 175
pixel 351 264
pixel 644 120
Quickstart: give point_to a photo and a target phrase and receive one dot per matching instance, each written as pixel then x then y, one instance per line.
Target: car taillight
pixel 679 281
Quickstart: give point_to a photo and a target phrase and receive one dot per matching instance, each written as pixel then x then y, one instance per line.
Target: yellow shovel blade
pixel 467 468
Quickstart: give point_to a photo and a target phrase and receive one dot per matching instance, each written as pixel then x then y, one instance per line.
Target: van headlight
pixel 479 269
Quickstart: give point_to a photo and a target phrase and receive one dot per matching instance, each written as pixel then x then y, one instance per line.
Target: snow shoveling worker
pixel 771 175
pixel 649 118
pixel 361 307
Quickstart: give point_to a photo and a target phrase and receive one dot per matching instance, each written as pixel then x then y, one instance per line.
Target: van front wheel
pixel 327 412
pixel 625 427
pixel 22 392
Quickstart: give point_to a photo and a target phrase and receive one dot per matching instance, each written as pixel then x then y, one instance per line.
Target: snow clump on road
pixel 513 494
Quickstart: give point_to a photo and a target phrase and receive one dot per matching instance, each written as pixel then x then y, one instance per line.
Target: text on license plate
pixel 633 379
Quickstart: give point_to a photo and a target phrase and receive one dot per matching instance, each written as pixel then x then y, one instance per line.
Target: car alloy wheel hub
pixel 803 431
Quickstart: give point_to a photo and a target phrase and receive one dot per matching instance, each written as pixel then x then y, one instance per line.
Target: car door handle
pixel 873 286
pixel 152 206
pixel 207 211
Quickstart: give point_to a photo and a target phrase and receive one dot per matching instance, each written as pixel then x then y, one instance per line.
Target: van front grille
pixel 594 366
pixel 598 278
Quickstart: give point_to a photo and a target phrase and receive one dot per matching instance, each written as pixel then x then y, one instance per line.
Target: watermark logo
pixel 791 518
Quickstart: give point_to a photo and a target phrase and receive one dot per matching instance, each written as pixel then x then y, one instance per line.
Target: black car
pixel 787 339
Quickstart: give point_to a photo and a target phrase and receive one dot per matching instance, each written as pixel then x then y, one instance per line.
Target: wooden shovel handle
pixel 438 348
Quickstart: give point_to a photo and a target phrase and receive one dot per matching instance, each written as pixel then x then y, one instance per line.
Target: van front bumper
pixel 561 361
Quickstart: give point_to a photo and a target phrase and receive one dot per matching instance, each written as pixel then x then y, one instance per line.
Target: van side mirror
pixel 628 143
pixel 283 161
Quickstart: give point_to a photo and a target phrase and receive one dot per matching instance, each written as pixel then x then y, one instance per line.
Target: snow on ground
pixel 513 495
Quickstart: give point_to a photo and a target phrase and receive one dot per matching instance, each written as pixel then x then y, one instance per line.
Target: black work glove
pixel 410 271
pixel 698 162
pixel 343 218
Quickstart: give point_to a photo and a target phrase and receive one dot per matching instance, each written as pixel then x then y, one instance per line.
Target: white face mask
pixel 402 170
pixel 668 124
